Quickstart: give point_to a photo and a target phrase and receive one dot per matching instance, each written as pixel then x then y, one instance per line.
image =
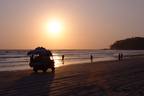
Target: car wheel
pixel 53 69
pixel 34 69
pixel 44 70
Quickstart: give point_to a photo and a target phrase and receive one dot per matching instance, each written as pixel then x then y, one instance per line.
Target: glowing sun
pixel 54 27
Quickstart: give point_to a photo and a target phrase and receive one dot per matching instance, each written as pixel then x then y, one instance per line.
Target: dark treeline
pixel 136 43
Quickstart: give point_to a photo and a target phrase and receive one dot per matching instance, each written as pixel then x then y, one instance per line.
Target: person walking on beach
pixel 120 56
pixel 91 57
pixel 62 59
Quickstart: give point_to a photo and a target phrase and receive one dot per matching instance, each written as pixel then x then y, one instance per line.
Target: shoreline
pixel 20 68
pixel 104 78
pixel 16 62
pixel 77 63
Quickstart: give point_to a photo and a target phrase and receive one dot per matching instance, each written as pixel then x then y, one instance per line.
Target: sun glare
pixel 54 27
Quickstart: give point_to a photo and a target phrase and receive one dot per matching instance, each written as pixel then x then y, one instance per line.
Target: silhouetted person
pixel 91 57
pixel 120 56
pixel 63 59
pixel 31 60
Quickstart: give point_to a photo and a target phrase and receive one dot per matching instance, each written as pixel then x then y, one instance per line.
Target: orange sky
pixel 87 24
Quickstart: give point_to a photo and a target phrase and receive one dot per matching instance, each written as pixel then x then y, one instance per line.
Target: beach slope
pixel 108 78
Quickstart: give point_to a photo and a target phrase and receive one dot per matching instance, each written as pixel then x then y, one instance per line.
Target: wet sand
pixel 108 78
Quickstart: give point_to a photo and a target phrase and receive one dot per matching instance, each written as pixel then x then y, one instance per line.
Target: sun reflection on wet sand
pixel 57 59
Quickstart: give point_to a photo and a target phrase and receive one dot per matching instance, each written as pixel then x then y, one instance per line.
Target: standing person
pixel 62 59
pixel 31 60
pixel 91 57
pixel 119 56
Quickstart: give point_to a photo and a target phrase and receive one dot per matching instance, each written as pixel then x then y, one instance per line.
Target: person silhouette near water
pixel 91 57
pixel 120 56
pixel 63 59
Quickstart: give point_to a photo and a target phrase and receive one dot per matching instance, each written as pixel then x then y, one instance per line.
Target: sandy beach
pixel 108 78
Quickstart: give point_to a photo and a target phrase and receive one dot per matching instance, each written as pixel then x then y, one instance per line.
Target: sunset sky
pixel 69 24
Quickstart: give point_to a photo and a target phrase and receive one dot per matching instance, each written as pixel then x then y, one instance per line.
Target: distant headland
pixel 136 43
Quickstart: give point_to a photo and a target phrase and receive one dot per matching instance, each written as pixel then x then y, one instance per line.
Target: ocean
pixel 18 59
